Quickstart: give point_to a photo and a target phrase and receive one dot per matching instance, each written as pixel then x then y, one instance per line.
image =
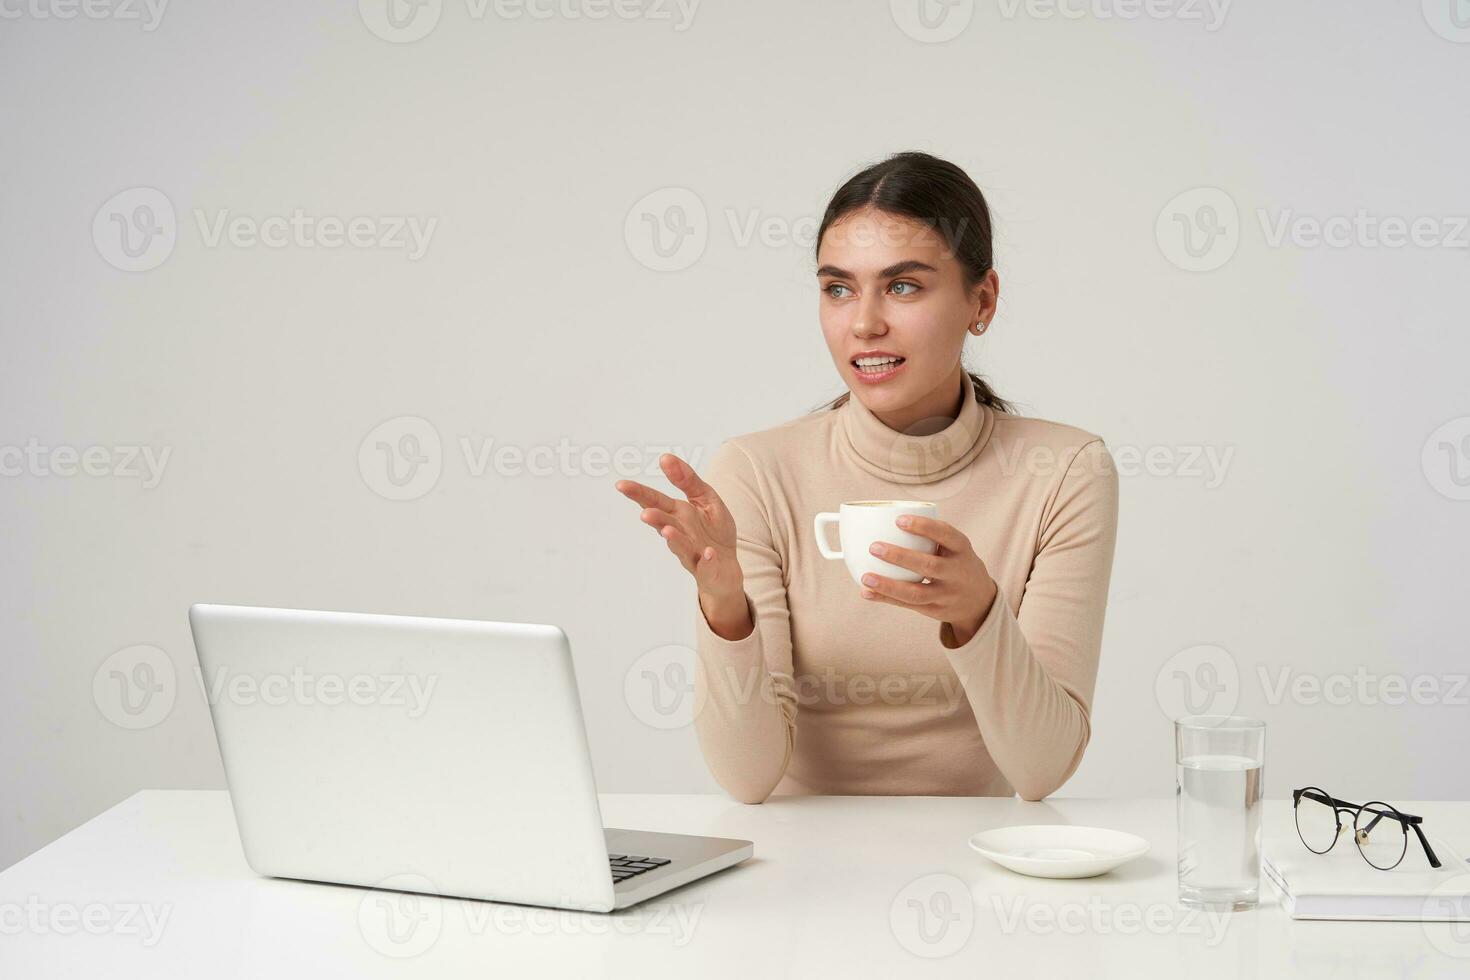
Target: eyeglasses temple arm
pixel 1317 797
pixel 1428 851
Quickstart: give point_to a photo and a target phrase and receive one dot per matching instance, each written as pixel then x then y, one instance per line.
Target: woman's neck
pixel 934 411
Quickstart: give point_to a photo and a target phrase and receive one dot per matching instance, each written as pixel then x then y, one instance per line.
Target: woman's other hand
pixel 959 591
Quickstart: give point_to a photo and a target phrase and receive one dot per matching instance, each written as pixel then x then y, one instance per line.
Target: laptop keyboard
pixel 625 866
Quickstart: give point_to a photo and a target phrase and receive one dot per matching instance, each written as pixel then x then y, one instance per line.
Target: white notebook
pixel 1341 885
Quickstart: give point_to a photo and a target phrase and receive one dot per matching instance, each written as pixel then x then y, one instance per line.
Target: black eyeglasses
pixel 1380 831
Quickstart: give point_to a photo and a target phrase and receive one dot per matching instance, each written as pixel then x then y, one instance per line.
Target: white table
pixel 157 887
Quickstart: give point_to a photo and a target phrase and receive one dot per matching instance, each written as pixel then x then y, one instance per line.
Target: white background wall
pixel 1332 546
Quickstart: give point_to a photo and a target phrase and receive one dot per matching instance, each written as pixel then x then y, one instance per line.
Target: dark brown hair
pixel 925 188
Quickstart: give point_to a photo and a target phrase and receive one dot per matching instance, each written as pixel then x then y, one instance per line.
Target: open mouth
pixel 877 367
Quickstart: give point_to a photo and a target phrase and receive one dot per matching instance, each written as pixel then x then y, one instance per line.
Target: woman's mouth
pixel 874 369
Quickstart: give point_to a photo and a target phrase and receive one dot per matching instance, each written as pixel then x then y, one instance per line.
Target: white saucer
pixel 1059 850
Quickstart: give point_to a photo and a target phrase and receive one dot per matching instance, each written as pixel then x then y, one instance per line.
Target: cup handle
pixel 820 526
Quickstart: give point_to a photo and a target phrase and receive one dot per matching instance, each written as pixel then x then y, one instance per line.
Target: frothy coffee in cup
pixel 862 522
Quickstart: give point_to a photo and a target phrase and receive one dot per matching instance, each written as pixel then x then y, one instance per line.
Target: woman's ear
pixel 985 295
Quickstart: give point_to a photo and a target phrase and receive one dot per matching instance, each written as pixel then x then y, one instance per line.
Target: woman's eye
pixel 831 290
pixel 912 287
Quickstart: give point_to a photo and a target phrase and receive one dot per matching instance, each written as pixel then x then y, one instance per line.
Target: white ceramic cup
pixel 861 522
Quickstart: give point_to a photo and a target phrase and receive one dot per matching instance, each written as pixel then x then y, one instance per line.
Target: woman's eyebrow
pixel 896 269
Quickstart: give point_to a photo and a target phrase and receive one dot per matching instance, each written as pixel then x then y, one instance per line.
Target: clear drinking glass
pixel 1219 761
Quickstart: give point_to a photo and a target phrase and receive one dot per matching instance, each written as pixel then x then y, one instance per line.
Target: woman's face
pixel 890 288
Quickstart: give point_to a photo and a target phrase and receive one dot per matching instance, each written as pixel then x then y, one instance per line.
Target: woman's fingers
pixel 922 562
pixel 909 593
pixel 680 544
pixel 682 475
pixel 947 535
pixel 647 496
pixel 872 596
pixel 656 519
pixel 690 529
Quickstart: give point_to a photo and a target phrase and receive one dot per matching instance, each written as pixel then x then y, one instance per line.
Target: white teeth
pixel 875 361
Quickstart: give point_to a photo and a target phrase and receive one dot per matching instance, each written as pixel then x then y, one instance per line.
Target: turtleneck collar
pixel 901 458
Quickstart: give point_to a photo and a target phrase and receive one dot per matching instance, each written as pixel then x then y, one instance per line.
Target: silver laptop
pixel 427 755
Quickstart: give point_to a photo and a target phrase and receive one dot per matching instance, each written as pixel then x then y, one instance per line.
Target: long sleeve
pixel 744 694
pixel 1029 673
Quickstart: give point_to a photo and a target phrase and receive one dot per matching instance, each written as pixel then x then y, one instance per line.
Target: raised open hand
pixel 700 532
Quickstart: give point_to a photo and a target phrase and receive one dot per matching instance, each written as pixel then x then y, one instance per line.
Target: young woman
pixel 976 681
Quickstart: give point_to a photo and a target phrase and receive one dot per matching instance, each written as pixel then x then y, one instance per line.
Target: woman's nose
pixel 869 320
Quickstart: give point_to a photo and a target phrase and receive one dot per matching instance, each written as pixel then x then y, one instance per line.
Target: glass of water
pixel 1219 762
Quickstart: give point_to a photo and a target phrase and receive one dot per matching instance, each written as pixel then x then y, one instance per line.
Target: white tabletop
pixel 841 886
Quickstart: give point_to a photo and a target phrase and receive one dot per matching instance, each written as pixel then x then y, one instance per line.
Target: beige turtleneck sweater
pixel 836 694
